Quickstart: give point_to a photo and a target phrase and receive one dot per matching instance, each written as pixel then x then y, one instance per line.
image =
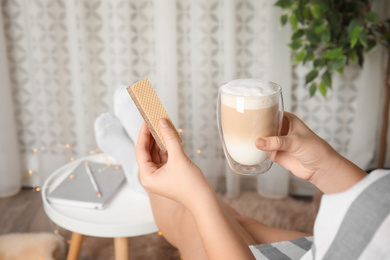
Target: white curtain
pixel 9 154
pixel 66 58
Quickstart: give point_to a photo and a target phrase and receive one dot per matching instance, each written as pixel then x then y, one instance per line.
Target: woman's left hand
pixel 169 174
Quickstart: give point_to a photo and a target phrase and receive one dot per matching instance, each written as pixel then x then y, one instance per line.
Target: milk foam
pixel 250 94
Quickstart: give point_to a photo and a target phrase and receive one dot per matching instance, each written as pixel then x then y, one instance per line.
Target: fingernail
pixel 261 143
pixel 163 123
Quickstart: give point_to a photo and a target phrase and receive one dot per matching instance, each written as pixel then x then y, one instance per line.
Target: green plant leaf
pixel 313 89
pixel 333 54
pixel 355 36
pixel 300 56
pixel 311 76
pixel 352 55
pixel 325 36
pixel 283 19
pixel 285 4
pixel 296 44
pixel 353 24
pixel 339 63
pixel 363 38
pixel 307 14
pixel 319 29
pixel 299 12
pixel 372 17
pixel 294 21
pixel 298 34
pixel 319 62
pixel 335 20
pixel 370 45
pixel 359 52
pixel 309 56
pixel 323 89
pixel 316 10
pixel 327 79
pixel 325 5
pixel 311 37
pixel 386 36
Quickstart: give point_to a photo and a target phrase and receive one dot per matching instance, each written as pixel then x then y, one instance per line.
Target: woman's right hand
pixel 309 157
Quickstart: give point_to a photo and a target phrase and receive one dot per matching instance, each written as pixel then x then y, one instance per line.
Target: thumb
pixel 170 136
pixel 274 143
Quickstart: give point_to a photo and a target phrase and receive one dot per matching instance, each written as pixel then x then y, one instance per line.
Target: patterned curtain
pixel 67 57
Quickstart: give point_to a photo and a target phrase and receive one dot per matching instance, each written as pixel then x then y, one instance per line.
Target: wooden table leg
pixel 121 248
pixel 75 245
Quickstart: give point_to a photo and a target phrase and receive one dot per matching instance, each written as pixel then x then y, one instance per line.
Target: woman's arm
pixel 173 175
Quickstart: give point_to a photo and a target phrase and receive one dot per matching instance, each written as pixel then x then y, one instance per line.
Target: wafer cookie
pixel 151 109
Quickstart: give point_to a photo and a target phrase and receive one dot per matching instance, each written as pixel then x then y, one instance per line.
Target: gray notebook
pixel 77 189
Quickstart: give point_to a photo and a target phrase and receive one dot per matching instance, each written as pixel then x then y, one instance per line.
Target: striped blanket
pixel 354 224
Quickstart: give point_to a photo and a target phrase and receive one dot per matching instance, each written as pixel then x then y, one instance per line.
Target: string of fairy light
pixel 31 172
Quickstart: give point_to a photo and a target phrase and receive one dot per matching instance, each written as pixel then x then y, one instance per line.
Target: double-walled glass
pixel 248 109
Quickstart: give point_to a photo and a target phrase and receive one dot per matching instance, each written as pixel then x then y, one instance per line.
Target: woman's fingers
pixel 275 143
pixel 143 146
pixel 170 136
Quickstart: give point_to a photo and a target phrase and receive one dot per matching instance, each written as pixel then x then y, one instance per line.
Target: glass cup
pixel 248 109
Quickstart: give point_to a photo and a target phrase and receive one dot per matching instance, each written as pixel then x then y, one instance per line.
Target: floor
pixel 24 213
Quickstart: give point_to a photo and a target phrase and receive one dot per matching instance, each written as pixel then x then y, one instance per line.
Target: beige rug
pixel 40 246
pixel 286 213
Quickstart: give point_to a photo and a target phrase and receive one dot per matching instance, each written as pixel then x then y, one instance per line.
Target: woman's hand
pixel 309 157
pixel 173 175
pixel 169 174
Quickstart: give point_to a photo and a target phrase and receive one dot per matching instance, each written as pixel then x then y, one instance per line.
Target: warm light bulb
pixel 71 159
pixel 117 167
pixel 56 231
pixel 180 130
pixel 67 146
pixel 198 151
pixel 71 176
pixel 30 172
pixel 38 189
pixel 35 150
pixel 159 233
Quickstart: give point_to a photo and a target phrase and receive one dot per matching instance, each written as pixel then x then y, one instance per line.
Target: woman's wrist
pixel 201 200
pixel 338 175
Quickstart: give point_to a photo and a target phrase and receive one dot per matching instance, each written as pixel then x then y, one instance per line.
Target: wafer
pixel 151 109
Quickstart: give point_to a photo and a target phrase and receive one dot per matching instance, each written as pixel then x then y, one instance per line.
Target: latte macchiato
pixel 249 109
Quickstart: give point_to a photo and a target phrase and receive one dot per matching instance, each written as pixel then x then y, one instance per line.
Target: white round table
pixel 128 214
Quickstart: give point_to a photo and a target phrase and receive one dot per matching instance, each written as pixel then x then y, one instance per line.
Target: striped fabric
pixel 284 250
pixel 354 224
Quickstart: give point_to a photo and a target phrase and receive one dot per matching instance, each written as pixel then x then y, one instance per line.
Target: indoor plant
pixel 329 34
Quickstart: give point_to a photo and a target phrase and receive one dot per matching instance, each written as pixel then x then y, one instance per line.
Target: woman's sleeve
pixel 355 224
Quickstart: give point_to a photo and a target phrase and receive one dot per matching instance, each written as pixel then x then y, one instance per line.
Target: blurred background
pixel 60 62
